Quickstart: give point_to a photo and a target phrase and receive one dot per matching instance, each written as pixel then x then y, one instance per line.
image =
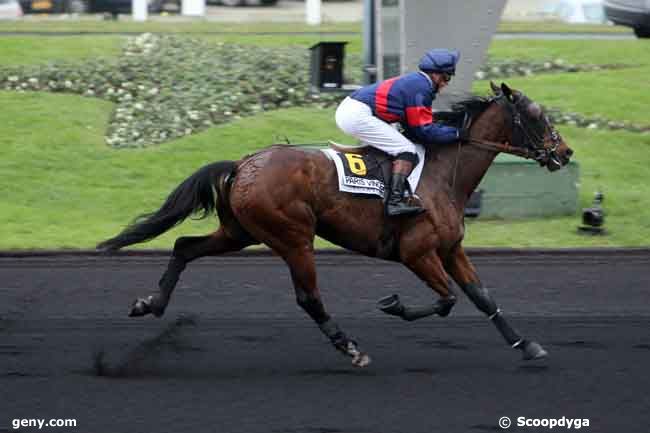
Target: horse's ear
pixel 507 91
pixel 495 89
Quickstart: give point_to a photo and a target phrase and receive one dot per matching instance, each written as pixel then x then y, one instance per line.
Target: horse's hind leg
pixel 463 272
pixel 430 270
pixel 186 249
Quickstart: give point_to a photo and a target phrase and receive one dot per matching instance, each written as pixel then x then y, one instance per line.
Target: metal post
pixel 194 8
pixel 139 10
pixel 312 12
pixel 369 59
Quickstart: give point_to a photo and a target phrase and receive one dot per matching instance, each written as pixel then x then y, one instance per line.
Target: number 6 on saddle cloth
pixel 367 170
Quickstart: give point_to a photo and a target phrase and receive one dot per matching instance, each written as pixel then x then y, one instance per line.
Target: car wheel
pixel 642 32
pixel 232 2
pixel 268 2
pixel 77 7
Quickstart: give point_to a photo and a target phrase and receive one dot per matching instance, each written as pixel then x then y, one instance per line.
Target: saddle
pixel 361 169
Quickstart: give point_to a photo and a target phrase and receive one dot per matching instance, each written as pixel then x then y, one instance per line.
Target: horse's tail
pixel 199 192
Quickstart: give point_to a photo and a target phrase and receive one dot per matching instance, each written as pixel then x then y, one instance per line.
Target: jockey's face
pixel 441 79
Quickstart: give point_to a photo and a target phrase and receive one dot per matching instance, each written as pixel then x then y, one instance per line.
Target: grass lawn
pixel 622 94
pixel 67 189
pixel 26 50
pixel 172 25
pixel 63 187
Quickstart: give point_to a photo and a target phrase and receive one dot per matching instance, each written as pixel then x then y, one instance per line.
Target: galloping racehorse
pixel 283 196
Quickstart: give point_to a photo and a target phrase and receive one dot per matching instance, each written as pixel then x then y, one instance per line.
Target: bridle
pixel 527 133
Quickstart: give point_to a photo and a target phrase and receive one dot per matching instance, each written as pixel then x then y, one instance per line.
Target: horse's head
pixel 531 129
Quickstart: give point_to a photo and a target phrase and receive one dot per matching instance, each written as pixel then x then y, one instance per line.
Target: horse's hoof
pixel 391 305
pixel 141 307
pixel 361 360
pixel 533 350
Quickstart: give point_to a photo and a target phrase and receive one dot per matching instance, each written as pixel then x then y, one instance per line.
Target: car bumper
pixel 627 16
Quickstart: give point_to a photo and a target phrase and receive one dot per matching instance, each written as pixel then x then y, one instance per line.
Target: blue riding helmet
pixel 440 60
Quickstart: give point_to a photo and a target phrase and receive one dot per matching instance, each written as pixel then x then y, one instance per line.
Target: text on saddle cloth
pixel 364 174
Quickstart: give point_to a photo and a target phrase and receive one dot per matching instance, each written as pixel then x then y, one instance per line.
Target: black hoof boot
pixel 444 306
pixel 391 305
pixel 533 350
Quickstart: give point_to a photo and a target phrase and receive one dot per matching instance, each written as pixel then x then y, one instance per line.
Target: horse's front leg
pixel 429 269
pixel 464 273
pixel 303 274
pixel 186 249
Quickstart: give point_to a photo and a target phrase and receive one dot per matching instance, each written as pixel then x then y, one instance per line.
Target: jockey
pixel 368 112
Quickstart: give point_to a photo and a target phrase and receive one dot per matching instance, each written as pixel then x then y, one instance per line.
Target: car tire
pixel 233 3
pixel 77 7
pixel 268 2
pixel 642 32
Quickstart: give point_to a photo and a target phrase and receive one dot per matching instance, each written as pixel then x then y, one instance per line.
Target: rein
pixel 502 147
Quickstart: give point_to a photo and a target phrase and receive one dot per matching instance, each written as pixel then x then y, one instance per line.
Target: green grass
pixel 169 25
pixel 551 26
pixel 622 94
pixel 615 163
pixel 174 25
pixel 584 51
pixel 354 43
pixel 26 50
pixel 64 188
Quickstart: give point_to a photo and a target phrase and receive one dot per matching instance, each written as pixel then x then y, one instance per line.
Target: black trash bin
pixel 327 66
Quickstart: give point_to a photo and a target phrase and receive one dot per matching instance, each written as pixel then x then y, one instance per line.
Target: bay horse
pixel 283 196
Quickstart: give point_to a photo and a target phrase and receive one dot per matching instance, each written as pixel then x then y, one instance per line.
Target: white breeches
pixel 356 119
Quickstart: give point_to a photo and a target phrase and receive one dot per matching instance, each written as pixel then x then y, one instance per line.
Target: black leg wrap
pixel 333 332
pixel 484 302
pixel 481 298
pixel 393 306
pixel 314 307
pixel 512 337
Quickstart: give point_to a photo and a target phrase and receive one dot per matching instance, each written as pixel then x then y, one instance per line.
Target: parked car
pixel 631 13
pixel 113 7
pixel 10 9
pixel 52 6
pixel 242 2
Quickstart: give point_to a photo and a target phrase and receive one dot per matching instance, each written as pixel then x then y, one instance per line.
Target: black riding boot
pixel 397 204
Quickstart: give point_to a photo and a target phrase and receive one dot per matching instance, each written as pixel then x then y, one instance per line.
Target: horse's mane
pixel 472 106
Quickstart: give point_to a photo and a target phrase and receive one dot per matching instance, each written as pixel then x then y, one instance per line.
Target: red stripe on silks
pixel 381 101
pixel 419 116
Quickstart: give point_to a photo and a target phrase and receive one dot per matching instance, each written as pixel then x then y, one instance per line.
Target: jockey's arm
pixel 419 125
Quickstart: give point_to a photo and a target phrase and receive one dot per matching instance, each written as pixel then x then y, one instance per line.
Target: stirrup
pixel 402 208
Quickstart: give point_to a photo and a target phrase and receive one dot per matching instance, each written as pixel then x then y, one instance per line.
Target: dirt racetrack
pixel 235 354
